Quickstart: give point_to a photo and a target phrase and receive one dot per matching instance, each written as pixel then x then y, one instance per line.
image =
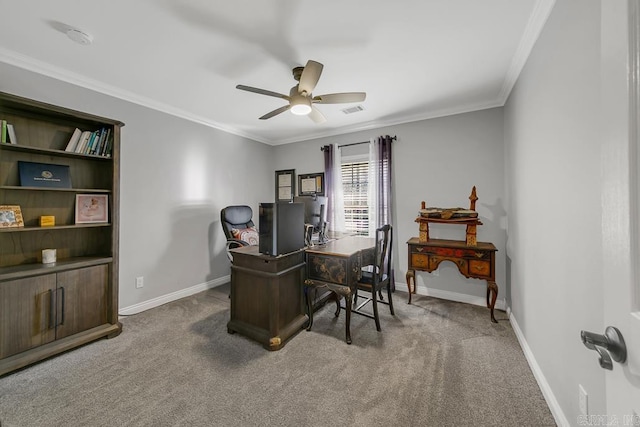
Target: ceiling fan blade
pixel 340 98
pixel 310 76
pixel 316 115
pixel 275 112
pixel 262 91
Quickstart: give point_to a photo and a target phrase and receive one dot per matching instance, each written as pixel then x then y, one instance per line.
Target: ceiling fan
pixel 300 96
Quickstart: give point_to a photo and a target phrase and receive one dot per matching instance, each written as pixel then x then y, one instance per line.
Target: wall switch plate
pixel 583 400
pixel 139 282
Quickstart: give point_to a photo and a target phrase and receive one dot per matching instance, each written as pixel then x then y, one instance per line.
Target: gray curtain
pixel 329 180
pixel 384 163
pixel 384 173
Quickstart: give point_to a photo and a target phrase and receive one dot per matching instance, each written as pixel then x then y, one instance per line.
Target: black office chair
pixel 238 227
pixel 377 276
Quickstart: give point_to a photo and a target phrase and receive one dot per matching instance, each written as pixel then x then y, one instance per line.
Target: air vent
pixel 352 110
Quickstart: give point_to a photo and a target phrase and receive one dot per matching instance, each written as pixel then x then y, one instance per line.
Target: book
pixel 82 143
pixel 105 145
pixel 93 141
pixel 3 131
pixel 73 141
pixel 87 149
pixel 11 134
pixel 100 140
pixel 44 175
pixel 107 152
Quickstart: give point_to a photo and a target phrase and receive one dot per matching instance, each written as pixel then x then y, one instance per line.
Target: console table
pixel 266 296
pixel 477 262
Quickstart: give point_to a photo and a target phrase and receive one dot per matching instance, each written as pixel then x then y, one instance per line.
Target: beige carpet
pixel 436 363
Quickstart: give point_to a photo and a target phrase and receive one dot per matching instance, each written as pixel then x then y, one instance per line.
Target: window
pixel 355 185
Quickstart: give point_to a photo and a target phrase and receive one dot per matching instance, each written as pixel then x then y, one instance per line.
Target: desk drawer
pixel 479 268
pixel 419 261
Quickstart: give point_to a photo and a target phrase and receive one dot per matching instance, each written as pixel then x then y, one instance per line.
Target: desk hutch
pixel 472 258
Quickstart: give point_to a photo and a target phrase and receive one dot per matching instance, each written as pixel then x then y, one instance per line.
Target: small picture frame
pixel 11 216
pixel 311 184
pixel 92 208
pixel 285 185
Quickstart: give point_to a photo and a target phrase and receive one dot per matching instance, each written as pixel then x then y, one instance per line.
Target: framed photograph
pixel 311 184
pixel 11 216
pixel 92 208
pixel 285 185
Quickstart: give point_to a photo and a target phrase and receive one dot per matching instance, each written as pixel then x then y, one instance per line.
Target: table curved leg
pixel 310 299
pixel 493 289
pixel 488 293
pixel 411 275
pixel 348 301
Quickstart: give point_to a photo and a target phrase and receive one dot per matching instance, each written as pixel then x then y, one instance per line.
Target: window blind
pixel 355 186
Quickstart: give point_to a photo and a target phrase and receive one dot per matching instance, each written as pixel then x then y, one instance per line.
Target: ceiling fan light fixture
pixel 301 97
pixel 300 105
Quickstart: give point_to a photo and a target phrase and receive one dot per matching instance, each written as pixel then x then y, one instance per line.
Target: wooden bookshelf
pixel 49 308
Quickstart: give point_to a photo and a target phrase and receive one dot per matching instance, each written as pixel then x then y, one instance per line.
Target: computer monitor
pixel 315 210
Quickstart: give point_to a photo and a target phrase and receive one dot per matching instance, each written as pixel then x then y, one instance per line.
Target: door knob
pixel 609 346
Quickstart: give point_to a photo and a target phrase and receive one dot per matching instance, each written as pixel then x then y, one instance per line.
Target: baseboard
pixel 455 296
pixel 554 406
pixel 155 302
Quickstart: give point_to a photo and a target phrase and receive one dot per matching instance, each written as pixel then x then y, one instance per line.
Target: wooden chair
pixel 377 276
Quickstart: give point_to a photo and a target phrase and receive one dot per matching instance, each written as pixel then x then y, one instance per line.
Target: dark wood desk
pixel 337 266
pixel 478 262
pixel 266 296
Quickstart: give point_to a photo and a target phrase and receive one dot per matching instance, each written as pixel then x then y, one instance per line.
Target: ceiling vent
pixel 352 110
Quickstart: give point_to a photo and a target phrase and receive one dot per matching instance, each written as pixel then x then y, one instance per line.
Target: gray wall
pixel 553 190
pixel 438 161
pixel 175 177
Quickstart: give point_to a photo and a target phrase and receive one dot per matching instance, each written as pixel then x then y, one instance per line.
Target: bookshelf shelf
pixel 68 190
pixel 61 153
pixel 55 227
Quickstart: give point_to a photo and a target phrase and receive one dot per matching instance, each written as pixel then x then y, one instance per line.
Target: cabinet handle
pixel 63 298
pixel 52 310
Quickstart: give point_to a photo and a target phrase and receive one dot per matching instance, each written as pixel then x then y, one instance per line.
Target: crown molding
pixel 48 70
pixel 376 124
pixel 537 20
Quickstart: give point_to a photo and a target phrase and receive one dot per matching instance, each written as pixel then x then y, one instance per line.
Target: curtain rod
pixel 365 142
pixel 394 138
pixel 354 143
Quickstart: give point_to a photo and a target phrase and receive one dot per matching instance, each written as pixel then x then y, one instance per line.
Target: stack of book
pixel 96 143
pixel 7 133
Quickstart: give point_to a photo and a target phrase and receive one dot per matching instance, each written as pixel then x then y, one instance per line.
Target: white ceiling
pixel 415 59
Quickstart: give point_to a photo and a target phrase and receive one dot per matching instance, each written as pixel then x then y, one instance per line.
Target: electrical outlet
pixel 583 400
pixel 139 282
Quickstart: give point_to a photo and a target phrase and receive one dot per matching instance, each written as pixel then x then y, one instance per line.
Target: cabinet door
pixel 82 299
pixel 26 313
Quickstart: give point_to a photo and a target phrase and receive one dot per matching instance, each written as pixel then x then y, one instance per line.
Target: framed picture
pixel 311 184
pixel 92 208
pixel 285 185
pixel 11 216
